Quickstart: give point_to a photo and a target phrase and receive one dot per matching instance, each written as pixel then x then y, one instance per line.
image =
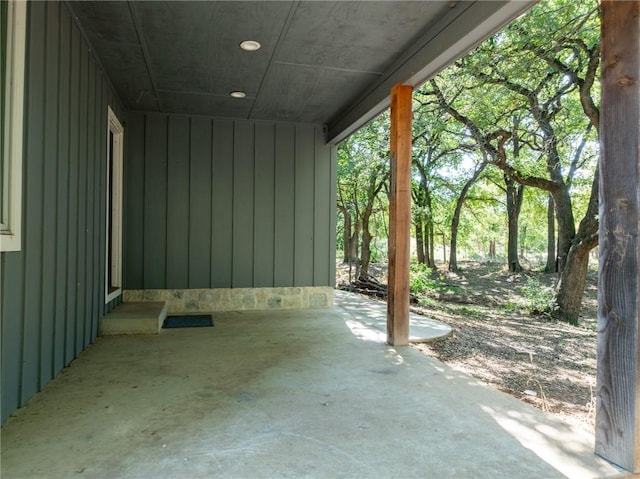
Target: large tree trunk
pixel 354 241
pixel 551 237
pixel 365 252
pixel 444 248
pixel 571 285
pixel 422 219
pixel 429 234
pixel 573 276
pixel 375 186
pixel 453 255
pixel 566 224
pixel 515 194
pixel 455 221
pixel 429 246
pixel 346 237
pixel 561 197
pixel 419 226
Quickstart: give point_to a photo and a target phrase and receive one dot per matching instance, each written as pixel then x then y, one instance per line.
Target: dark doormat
pixel 188 321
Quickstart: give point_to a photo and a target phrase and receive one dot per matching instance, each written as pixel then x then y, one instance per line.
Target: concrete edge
pixel 434 339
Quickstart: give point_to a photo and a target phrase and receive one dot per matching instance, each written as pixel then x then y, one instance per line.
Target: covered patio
pixel 148 156
pixel 313 393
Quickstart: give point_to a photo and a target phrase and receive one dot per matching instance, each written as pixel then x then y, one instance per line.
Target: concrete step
pixel 134 318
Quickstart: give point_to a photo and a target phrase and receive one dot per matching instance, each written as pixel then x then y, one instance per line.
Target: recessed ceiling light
pixel 238 94
pixel 250 45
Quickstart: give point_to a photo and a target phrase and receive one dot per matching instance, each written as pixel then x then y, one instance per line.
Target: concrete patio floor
pixel 312 393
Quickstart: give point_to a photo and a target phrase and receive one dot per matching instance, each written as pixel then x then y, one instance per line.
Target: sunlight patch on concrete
pixel 373 315
pixel 565 448
pixel 364 333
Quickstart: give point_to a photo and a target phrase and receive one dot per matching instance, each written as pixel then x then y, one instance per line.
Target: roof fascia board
pixel 435 50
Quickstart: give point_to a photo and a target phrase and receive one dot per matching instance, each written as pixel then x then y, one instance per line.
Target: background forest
pixel 505 162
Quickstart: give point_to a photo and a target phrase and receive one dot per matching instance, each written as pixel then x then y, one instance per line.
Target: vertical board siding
pixel 284 198
pixel 333 207
pixel 32 242
pixel 134 181
pixel 90 217
pixel 100 179
pixel 12 311
pixel 82 194
pixel 49 193
pixel 243 179
pixel 323 235
pixel 303 205
pixel 155 202
pixel 221 204
pixel 199 250
pixel 263 232
pixel 62 213
pixel 100 237
pixel 178 202
pixel 52 290
pixel 72 236
pixel 228 203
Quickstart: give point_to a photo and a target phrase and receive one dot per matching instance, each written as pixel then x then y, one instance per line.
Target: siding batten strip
pixel 213 206
pixel 189 186
pixel 50 195
pixel 293 229
pixel 62 221
pixel 314 243
pixel 253 209
pixel 49 307
pixel 243 226
pixel 263 234
pixel 323 253
pixel 74 115
pixel 90 199
pixel 31 337
pixel 82 187
pixel 100 230
pixel 275 163
pixel 47 225
pixel 143 236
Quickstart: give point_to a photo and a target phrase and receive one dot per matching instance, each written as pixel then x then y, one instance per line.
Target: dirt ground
pixel 549 364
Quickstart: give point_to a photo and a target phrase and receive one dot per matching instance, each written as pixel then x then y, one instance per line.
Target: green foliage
pixel 421 278
pixel 540 298
pixel 426 302
pixel 363 168
pixel 378 249
pixel 470 312
pixel 546 54
pixel 512 306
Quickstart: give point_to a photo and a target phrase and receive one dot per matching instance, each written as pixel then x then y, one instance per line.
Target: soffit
pixel 321 62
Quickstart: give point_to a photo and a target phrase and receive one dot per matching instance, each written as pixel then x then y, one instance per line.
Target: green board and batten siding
pixel 53 289
pixel 209 203
pixel 214 203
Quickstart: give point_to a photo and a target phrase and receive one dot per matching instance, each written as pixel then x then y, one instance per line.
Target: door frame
pixel 114 213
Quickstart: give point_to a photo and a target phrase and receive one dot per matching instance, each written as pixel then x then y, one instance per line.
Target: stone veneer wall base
pixel 236 299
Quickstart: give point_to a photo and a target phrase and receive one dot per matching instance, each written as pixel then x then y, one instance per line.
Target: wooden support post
pixel 618 377
pixel 399 217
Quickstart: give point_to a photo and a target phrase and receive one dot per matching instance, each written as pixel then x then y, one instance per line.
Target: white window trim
pixel 114 126
pixel 11 216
